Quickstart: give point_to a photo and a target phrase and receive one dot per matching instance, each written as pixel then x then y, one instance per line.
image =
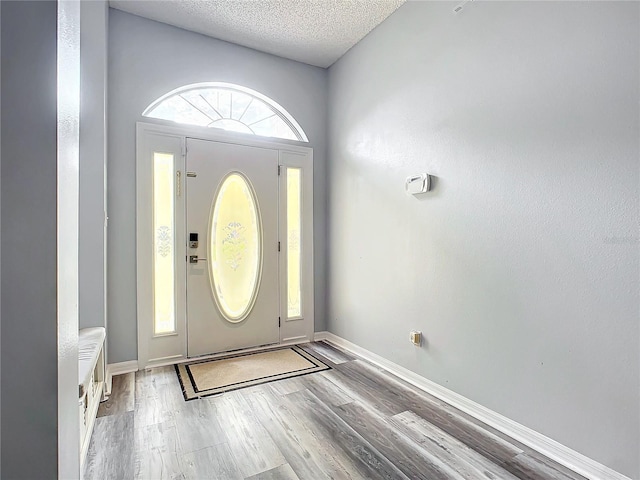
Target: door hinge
pixel 278 322
pixel 178 183
pixel 279 170
pixel 278 246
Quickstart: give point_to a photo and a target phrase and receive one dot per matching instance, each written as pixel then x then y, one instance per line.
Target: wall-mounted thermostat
pixel 416 184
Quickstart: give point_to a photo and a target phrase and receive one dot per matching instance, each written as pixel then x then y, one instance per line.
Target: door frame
pixel 156 350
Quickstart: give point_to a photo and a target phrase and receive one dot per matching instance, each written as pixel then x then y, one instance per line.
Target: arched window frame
pixel 277 109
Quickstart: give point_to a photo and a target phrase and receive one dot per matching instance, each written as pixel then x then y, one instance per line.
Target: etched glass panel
pixel 294 217
pixel 164 320
pixel 273 126
pixel 179 110
pixel 256 112
pixel 225 103
pixel 197 101
pixel 235 248
pixel 231 125
pixel 240 104
pixel 229 107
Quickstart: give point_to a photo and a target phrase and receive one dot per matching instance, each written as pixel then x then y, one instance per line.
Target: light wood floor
pixel 354 421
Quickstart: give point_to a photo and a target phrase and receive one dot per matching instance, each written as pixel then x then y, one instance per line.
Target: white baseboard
pixel 294 340
pixel 118 369
pixel 565 456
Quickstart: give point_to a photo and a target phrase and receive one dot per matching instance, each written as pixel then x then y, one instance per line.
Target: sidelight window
pixel 294 252
pixel 164 318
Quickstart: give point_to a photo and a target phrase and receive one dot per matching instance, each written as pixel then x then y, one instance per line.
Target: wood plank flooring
pixel 354 421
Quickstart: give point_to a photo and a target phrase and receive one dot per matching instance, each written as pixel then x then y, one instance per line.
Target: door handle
pixel 195 259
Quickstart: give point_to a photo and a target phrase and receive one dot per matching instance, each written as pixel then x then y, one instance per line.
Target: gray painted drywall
pixel 30 329
pixel 521 267
pixel 0 246
pixel 29 409
pixel 93 143
pixel 148 59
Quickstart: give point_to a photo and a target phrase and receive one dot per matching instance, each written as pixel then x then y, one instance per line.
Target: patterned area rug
pixel 210 377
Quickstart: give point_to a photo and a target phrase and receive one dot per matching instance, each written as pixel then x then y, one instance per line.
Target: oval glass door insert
pixel 235 247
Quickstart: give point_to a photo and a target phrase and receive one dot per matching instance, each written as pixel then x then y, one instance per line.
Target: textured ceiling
pixel 317 32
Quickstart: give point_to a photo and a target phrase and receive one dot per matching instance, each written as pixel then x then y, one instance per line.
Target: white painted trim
pixel 302 326
pixel 164 361
pixel 118 369
pixel 122 368
pixel 562 454
pixel 324 335
pixel 222 136
pixel 295 340
pixel 67 164
pixel 151 347
pixel 90 416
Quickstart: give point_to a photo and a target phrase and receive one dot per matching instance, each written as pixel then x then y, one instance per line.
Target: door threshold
pixel 175 361
pixel 232 351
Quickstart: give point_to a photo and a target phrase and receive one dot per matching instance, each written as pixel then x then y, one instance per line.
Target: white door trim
pixel 173 348
pixel 300 328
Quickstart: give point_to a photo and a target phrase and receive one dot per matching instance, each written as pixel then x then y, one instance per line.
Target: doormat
pixel 210 377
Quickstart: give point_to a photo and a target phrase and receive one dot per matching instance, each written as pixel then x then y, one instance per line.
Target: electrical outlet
pixel 415 337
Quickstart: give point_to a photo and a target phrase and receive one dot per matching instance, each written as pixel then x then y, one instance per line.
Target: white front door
pixel 232 271
pixel 234 294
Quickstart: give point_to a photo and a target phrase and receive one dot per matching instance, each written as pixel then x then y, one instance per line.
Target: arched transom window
pixel 227 106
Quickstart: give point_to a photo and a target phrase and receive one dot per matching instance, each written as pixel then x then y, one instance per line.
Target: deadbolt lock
pixel 193 240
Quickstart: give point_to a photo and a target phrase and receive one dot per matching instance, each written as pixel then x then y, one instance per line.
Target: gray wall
pixel 148 59
pixel 522 266
pixel 0 246
pixel 29 409
pixel 93 143
pixel 35 343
